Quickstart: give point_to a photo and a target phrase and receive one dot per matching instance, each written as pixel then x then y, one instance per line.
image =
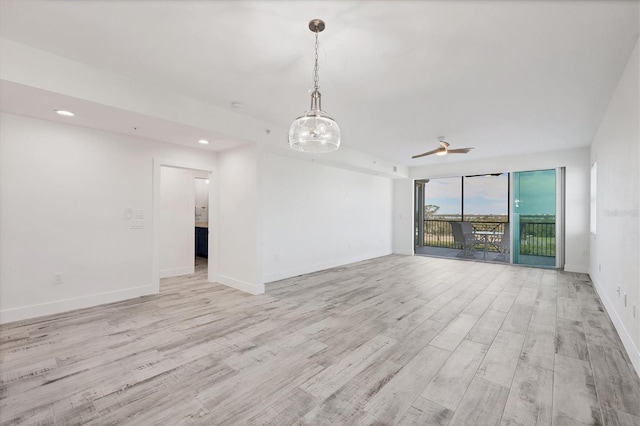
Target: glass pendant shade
pixel 314 131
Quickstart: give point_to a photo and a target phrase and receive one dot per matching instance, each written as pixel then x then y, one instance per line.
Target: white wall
pixel 87 181
pixel 576 162
pixel 615 249
pixel 64 194
pixel 403 228
pixel 239 249
pixel 177 221
pixel 317 216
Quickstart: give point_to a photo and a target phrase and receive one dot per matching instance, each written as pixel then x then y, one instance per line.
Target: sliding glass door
pixel 534 218
pixel 478 201
pixel 515 217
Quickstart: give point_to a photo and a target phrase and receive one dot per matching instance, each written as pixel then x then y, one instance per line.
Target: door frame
pixel 560 213
pixel 212 265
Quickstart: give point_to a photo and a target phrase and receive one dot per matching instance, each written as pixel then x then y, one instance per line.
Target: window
pixel 443 199
pixel 481 198
pixel 486 198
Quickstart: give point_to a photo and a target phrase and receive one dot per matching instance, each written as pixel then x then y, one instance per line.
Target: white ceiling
pixel 504 77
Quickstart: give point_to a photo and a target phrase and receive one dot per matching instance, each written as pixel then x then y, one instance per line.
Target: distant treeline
pixel 545 218
pixel 469 217
pixel 540 226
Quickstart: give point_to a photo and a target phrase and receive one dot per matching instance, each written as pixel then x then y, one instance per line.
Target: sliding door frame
pixel 560 215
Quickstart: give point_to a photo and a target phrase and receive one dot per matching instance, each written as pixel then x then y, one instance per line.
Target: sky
pixel 483 195
pixel 488 195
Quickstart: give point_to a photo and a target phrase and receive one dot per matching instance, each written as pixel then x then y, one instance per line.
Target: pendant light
pixel 314 131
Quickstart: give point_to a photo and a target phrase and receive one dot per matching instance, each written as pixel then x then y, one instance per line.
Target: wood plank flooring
pixel 394 340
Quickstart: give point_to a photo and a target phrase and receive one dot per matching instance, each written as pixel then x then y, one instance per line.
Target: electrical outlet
pixel 57 279
pixel 618 291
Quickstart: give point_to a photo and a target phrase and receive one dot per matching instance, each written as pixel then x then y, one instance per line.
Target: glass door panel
pixel 534 218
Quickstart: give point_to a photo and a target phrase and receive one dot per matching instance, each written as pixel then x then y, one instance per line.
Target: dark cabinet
pixel 202 242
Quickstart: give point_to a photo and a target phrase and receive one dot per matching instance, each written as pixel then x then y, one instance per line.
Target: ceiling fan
pixel 444 149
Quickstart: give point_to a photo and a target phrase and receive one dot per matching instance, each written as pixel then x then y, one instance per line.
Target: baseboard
pixel 404 252
pixel 583 269
pixel 627 341
pixel 59 306
pixel 240 285
pixel 307 269
pixel 176 272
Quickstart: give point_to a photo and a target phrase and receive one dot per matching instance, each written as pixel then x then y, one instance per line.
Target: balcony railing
pixel 537 239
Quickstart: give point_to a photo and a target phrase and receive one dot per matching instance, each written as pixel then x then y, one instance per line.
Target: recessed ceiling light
pixel 236 105
pixel 203 142
pixel 64 112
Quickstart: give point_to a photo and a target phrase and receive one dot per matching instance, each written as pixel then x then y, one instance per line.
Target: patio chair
pixel 467 228
pixel 465 239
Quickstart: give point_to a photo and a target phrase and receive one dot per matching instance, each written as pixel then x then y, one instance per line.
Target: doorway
pixel 201 214
pixel 535 219
pixel 183 227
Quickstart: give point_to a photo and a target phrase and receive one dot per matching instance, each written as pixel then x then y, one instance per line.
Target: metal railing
pixel 537 239
pixel 437 233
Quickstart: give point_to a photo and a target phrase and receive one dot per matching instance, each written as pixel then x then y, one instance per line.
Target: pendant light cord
pixel 316 79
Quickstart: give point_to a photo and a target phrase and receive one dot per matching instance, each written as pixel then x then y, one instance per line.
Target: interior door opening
pixel 184 211
pixel 201 215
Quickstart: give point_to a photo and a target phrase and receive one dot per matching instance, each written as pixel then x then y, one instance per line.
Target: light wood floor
pixel 394 340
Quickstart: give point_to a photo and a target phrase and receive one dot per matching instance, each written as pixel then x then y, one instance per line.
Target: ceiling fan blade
pixel 427 153
pixel 459 150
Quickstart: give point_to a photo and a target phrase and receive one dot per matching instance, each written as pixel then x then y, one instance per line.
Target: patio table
pixel 486 238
